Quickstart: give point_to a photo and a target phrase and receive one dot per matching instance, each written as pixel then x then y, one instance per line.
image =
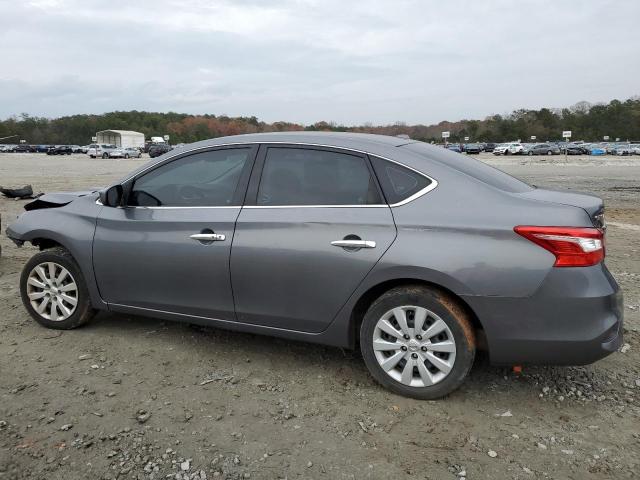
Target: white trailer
pixel 121 138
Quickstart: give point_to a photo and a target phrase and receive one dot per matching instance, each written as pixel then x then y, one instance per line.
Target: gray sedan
pixel 542 149
pixel 417 255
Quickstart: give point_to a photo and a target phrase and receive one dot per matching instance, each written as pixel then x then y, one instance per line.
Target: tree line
pixel 617 119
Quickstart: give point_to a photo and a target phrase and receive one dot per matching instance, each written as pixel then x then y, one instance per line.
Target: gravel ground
pixel 138 398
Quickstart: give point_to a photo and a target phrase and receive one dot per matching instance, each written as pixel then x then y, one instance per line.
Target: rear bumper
pixel 575 318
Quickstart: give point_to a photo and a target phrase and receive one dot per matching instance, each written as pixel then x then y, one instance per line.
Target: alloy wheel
pixel 414 346
pixel 52 291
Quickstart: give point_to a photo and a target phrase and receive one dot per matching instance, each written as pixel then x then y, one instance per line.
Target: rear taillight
pixel 572 246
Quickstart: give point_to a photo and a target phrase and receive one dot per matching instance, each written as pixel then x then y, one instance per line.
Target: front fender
pixel 73 227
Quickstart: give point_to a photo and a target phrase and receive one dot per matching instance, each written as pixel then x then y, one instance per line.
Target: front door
pixel 314 224
pixel 168 248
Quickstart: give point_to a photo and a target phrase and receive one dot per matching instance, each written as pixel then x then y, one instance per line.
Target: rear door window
pixel 305 176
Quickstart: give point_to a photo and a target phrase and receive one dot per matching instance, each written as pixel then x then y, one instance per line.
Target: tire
pixel 105 155
pixel 126 155
pixel 506 152
pixel 549 152
pixel 530 153
pixel 80 314
pixel 439 307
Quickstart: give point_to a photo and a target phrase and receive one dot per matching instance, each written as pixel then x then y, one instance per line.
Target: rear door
pixel 168 249
pixel 314 224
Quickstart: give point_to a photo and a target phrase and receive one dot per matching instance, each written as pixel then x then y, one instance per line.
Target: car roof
pixel 358 141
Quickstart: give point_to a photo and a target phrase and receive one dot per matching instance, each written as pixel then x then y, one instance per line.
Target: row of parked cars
pixel 94 150
pixel 49 149
pixel 548 148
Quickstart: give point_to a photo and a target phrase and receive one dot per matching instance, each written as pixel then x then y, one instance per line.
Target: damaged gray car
pixel 416 255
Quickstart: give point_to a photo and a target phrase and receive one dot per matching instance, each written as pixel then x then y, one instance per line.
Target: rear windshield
pixel 474 168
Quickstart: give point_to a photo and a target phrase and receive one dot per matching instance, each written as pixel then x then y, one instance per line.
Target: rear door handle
pixel 354 243
pixel 208 237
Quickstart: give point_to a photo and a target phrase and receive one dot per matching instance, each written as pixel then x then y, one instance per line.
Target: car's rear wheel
pixel 549 152
pixel 417 342
pixel 105 155
pixel 53 290
pixel 126 155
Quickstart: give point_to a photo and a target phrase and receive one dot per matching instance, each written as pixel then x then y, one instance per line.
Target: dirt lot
pixel 129 397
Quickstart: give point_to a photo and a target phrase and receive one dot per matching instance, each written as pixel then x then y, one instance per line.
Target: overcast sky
pixel 306 60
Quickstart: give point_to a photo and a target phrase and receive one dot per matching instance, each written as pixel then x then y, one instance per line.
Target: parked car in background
pixel 159 149
pixel 512 148
pixel 100 150
pixel 575 150
pixel 489 147
pixel 60 150
pixel 7 148
pixel 622 150
pixel 454 147
pixel 42 148
pixel 129 152
pixel 22 148
pixel 76 148
pixel 474 148
pixel 543 149
pixel 418 283
pixel 611 148
pixel 635 149
pixel 597 150
pixel 84 148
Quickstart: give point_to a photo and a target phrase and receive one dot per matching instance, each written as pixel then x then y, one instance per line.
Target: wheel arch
pixel 375 291
pixel 81 251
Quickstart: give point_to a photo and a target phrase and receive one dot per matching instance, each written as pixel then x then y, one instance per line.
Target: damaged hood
pixel 57 199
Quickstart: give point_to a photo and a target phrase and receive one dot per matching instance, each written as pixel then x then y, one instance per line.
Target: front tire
pixel 417 342
pixel 54 292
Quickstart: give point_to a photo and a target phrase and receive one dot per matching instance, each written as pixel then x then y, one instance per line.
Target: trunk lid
pixel 593 205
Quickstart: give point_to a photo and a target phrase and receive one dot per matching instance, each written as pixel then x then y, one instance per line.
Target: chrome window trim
pixel 420 193
pixel 181 208
pixel 318 206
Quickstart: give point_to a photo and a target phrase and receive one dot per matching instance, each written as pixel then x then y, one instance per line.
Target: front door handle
pixel 354 243
pixel 208 237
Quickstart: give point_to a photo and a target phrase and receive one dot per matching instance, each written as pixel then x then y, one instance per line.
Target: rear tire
pixel 36 287
pixel 429 362
pixel 105 155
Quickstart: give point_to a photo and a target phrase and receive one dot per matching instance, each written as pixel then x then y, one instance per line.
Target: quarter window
pixel 207 179
pixel 398 182
pixel 298 176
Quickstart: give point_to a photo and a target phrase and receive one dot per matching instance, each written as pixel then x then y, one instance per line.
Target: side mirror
pixel 112 196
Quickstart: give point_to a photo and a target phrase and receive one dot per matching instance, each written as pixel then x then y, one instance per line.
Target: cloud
pixel 306 60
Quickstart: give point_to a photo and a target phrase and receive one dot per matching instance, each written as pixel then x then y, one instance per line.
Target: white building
pixel 121 138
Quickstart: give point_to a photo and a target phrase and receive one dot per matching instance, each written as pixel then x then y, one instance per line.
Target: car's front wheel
pixel 417 342
pixel 53 290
